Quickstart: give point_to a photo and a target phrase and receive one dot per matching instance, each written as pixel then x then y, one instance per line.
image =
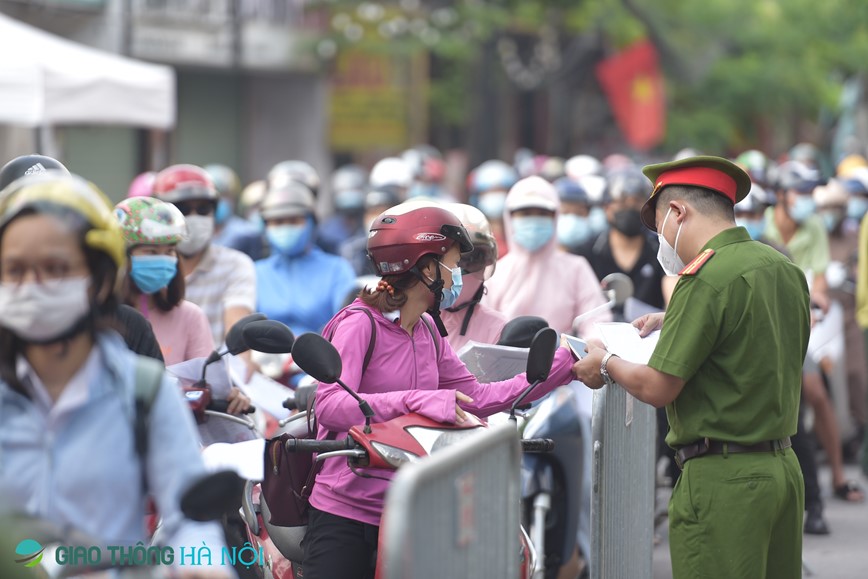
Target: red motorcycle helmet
pixel 400 236
pixel 184 183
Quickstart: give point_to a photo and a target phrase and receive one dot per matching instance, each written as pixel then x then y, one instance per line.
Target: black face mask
pixel 628 222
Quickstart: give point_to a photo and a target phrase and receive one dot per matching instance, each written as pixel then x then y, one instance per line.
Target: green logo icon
pixel 29 552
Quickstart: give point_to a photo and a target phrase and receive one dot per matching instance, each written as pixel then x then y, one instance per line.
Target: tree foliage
pixel 739 73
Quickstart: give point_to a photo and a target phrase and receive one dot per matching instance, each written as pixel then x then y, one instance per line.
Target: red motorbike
pixel 385 445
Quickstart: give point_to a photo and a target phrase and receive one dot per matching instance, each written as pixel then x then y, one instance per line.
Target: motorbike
pixel 385 445
pixel 555 493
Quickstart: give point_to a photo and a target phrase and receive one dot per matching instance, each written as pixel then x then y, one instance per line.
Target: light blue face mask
pixel 597 220
pixel 223 212
pixel 533 232
pixel 151 273
pixel 755 227
pixel 492 204
pixel 857 207
pixel 803 207
pixel 289 240
pixel 450 296
pixel 573 230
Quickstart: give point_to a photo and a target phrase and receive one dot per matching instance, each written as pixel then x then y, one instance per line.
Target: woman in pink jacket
pixel 412 369
pixel 536 277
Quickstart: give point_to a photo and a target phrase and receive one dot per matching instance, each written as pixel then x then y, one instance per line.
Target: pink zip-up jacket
pixel 404 375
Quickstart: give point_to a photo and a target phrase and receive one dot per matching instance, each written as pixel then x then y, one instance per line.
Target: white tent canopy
pixel 47 80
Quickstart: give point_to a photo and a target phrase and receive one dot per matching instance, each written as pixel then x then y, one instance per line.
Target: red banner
pixel 633 82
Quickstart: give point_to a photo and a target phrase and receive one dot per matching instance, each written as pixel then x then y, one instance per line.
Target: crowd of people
pixel 190 251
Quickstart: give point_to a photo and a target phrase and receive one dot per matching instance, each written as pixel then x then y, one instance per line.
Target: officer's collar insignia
pixel 694 266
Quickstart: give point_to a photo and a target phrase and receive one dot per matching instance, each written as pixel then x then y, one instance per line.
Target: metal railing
pixel 456 513
pixel 622 503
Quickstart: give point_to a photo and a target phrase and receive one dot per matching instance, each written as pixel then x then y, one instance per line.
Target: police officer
pixel 728 369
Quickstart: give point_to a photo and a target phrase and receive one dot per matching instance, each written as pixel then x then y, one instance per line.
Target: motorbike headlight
pixel 393 455
pixel 433 439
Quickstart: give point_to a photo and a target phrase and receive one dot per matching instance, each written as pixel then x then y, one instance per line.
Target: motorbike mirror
pixel 234 338
pixel 269 336
pixel 541 355
pixel 519 332
pixel 620 286
pixel 213 496
pixel 317 357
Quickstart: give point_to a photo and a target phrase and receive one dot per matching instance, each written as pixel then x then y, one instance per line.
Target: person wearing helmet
pixel 135 329
pixel 573 228
pixel 625 247
pixel 757 165
pixel 794 224
pixel 68 384
pixel 536 278
pixel 298 284
pixel 229 229
pixel 428 170
pixel 28 165
pixel 348 192
pixel 249 202
pixel 468 319
pixel 297 171
pixel 218 279
pixel 579 166
pixel 416 250
pixel 355 249
pixel 489 185
pixel 598 197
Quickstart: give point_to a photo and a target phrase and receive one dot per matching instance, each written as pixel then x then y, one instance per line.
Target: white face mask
pixel 667 255
pixel 38 312
pixel 200 230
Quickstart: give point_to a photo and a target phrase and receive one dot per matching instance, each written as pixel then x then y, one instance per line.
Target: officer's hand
pixel 460 416
pixel 648 323
pixel 587 370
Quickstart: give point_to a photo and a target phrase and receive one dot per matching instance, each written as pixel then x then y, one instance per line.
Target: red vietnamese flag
pixel 632 81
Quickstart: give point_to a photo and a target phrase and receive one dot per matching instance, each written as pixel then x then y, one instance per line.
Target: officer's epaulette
pixel 694 266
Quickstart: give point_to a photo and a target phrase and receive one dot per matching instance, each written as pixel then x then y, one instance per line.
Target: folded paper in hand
pixel 623 340
pixel 493 363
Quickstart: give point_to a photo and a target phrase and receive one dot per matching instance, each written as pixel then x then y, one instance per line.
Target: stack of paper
pixel 493 363
pixel 622 339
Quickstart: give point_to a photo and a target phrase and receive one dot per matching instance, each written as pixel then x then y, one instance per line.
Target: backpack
pixel 289 476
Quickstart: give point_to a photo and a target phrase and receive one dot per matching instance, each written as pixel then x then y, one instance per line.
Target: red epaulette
pixel 694 266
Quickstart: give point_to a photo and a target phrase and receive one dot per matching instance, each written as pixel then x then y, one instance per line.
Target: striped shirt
pixel 224 279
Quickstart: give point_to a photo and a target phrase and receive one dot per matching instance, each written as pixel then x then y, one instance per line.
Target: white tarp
pixel 48 80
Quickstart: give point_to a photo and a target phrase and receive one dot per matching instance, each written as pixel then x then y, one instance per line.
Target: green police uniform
pixel 736 330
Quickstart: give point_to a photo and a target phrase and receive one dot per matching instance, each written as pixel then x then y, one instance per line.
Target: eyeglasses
pixel 15 273
pixel 197 208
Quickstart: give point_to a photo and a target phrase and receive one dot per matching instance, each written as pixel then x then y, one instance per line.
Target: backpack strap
pixel 148 377
pixel 433 335
pixel 371 344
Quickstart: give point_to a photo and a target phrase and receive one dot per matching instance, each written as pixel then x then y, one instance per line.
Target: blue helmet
pixel 571 191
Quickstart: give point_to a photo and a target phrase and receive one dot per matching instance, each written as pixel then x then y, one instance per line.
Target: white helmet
pixel 484 254
pixel 582 165
pixel 391 171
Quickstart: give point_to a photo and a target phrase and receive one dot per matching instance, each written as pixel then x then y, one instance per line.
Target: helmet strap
pixel 436 288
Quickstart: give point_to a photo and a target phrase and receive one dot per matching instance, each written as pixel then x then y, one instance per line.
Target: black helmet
pixel 28 165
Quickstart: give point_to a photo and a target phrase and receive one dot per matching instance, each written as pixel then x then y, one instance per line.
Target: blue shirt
pixel 304 291
pixel 75 463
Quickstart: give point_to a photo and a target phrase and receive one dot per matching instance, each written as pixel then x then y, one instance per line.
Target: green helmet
pixel 149 221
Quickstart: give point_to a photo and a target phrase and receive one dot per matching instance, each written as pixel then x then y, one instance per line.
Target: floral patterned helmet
pixel 149 221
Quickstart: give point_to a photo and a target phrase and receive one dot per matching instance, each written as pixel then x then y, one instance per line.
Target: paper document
pixel 493 363
pixel 245 458
pixel 263 392
pixel 622 339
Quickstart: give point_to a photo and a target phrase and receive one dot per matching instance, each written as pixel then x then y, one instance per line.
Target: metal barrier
pixel 622 504
pixel 456 513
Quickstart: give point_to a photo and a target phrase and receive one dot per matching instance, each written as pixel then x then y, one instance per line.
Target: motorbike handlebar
pixel 318 446
pixel 223 406
pixel 537 445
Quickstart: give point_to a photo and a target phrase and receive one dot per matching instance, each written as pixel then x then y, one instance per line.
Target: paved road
pixel 841 555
